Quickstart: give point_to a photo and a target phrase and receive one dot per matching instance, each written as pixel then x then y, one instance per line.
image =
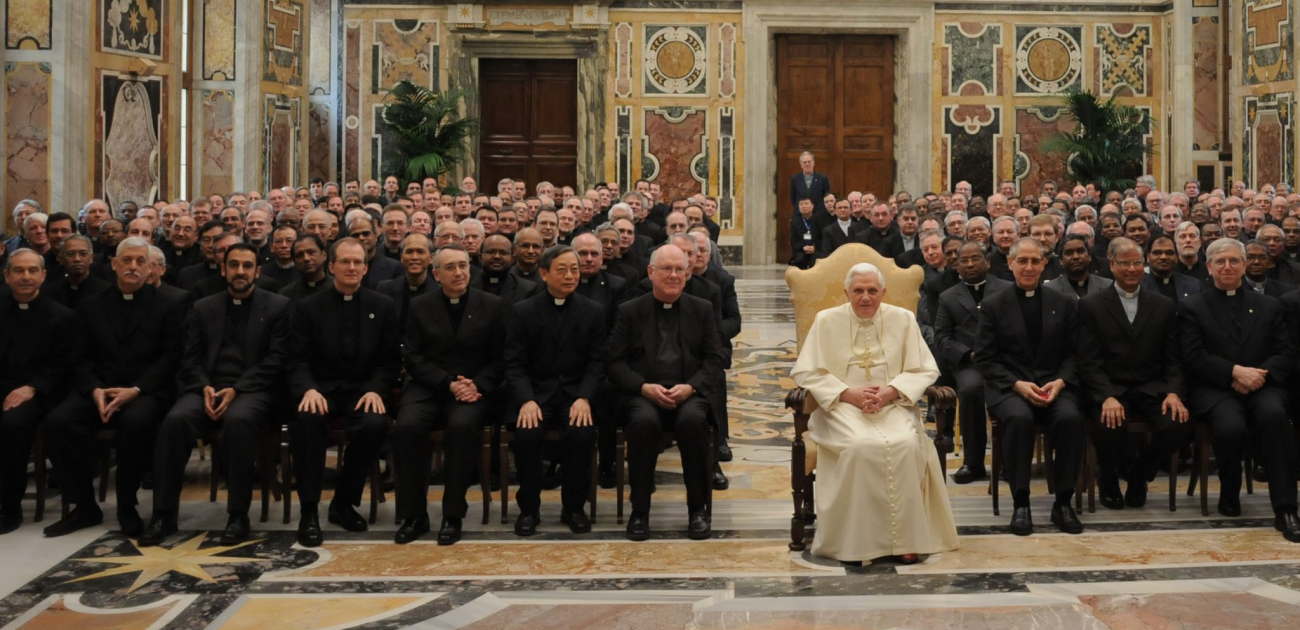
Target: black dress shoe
pixel 1289 524
pixel 577 521
pixel 1230 507
pixel 724 452
pixel 80 518
pixel 638 527
pixel 449 532
pixel 1260 474
pixel 10 521
pixel 1112 502
pixel 160 527
pixel 1063 516
pixel 967 474
pixel 699 527
pixel 526 524
pixel 720 481
pixel 1022 522
pixel 1108 488
pixel 347 518
pixel 412 529
pixel 606 479
pixel 129 521
pixel 237 529
pixel 1136 495
pixel 309 533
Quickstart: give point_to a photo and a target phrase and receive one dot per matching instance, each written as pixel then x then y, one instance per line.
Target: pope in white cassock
pixel 880 491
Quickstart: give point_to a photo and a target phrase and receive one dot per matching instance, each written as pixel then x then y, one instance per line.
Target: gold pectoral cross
pixel 866 364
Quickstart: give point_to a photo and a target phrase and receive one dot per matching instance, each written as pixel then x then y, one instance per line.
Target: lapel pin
pixel 1251 310
pixel 372 316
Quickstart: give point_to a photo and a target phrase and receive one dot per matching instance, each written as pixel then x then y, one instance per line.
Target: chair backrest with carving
pixel 822 287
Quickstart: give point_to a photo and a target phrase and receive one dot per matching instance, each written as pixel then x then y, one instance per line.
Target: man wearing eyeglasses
pixel 1025 351
pixel 379 268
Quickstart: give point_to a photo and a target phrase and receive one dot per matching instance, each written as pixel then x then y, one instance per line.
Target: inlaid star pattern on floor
pixel 186 558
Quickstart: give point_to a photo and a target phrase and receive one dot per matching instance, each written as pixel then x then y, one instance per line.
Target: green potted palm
pixel 429 136
pixel 1107 145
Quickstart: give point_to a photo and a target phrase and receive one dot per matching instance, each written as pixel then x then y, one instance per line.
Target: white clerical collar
pixel 454 300
pixel 414 288
pixel 604 267
pixel 347 298
pixel 312 284
pixel 1030 294
pixel 977 285
pixel 1081 283
pixel 559 301
pixel 128 296
pixel 667 305
pixel 237 301
pixel 1166 280
pixel 22 306
pixel 1127 296
pixel 288 266
pixel 844 225
pixel 585 280
pixel 1230 292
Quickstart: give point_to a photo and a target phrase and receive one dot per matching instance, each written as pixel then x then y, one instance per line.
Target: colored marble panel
pixel 133 27
pixel 924 618
pixel 404 50
pixel 587 617
pixel 309 612
pixel 282 42
pixel 1205 105
pixel 1268 140
pixel 26 134
pixel 28 24
pixel 217 143
pixel 726 217
pixel 319 147
pixel 1049 59
pixel 972 133
pixel 1033 126
pixel 352 101
pixel 345 561
pixel 623 142
pixel 673 149
pixel 1191 611
pixel 623 60
pixel 727 60
pixel 131 152
pixel 219 39
pixel 67 611
pixel 1267 41
pixel 1111 550
pixel 971 54
pixel 322 45
pixel 676 60
pixel 1123 49
pixel 280 155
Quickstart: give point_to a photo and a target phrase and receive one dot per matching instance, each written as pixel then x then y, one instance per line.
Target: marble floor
pixel 1131 569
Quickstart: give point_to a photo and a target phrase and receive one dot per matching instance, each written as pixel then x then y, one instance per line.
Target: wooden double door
pixel 529 117
pixel 835 99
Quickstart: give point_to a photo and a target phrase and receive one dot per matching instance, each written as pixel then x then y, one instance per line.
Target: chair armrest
pixel 798 401
pixel 941 396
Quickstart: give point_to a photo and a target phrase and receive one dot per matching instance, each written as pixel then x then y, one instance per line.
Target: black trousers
pixel 1116 448
pixel 646 424
pixel 575 449
pixel 1264 413
pixel 460 424
pixel 309 439
pixel 973 417
pixel 1063 423
pixel 70 441
pixel 17 428
pixel 239 429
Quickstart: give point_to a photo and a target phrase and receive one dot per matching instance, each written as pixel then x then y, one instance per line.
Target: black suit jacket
pixel 799 227
pixel 381 268
pixel 634 346
pixel 606 289
pixel 142 350
pixel 956 321
pixel 193 274
pixel 910 258
pixel 1004 353
pixel 832 238
pixel 317 363
pixel 35 354
pixel 1212 345
pixel 1184 286
pixel 550 356
pixel 61 290
pixel 401 294
pixel 283 277
pixel 1115 356
pixel 178 260
pixel 514 290
pixel 266 342
pixel 1272 288
pixel 1286 271
pixel 821 186
pixel 889 244
pixel 299 289
pixel 936 282
pixel 435 356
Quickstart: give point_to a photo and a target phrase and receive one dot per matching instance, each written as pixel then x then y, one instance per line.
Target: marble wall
pixel 28 24
pixel 217 141
pixel 1265 89
pixel 26 133
pixel 999 77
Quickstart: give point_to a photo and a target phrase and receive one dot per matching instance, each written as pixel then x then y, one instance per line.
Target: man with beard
pixel 496 259
pixel 126 358
pixel 237 348
pixel 77 282
pixel 417 256
pixel 1129 362
pixel 1076 261
pixel 309 259
pixel 1161 258
pixel 213 285
pixel 34 346
pixel 345 360
pixel 528 250
pixel 955 328
pixel 453 352
pixel 1187 239
pixel 281 268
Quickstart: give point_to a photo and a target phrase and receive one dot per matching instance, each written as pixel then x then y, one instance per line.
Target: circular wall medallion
pixel 1049 60
pixel 675 60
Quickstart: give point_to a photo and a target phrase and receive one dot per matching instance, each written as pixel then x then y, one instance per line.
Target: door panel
pixel 835 99
pixel 529 120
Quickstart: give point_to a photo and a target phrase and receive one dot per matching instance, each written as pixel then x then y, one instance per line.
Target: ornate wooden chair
pixel 812 291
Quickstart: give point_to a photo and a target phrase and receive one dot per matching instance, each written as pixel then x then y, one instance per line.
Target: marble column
pixel 1182 93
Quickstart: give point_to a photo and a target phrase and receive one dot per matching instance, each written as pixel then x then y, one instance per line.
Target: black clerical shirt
pixel 1167 287
pixel 231 362
pixel 976 291
pixel 1031 309
pixel 455 312
pixel 668 354
pixel 1233 303
pixel 349 333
